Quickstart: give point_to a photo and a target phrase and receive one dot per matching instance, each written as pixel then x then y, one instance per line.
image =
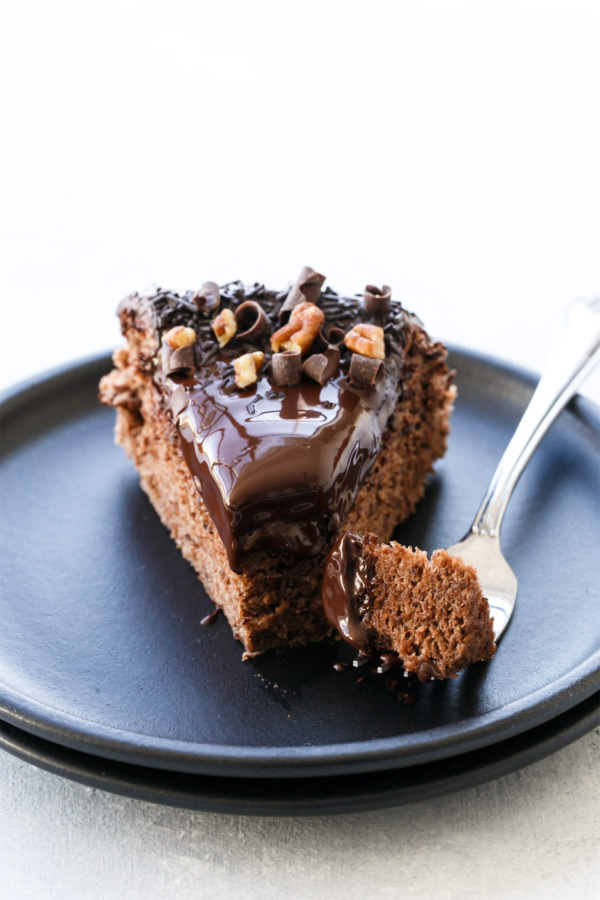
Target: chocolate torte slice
pixel 394 603
pixel 265 423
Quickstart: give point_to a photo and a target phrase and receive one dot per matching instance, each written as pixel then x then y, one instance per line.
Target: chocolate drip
pixel 347 592
pixel 276 463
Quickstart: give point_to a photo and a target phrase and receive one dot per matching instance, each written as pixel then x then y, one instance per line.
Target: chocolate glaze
pixel 347 596
pixel 346 592
pixel 278 467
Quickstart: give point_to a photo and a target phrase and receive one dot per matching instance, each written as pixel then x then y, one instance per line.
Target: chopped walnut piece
pixel 247 368
pixel 366 339
pixel 303 327
pixel 224 326
pixel 180 336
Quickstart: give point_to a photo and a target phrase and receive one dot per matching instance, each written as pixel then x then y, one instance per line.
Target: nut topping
pixel 180 336
pixel 366 339
pixel 247 367
pixel 224 326
pixel 303 327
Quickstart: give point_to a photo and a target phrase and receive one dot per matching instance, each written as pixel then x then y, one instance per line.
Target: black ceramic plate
pixel 102 649
pixel 306 796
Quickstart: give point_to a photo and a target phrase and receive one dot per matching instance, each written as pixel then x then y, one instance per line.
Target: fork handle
pixel 573 356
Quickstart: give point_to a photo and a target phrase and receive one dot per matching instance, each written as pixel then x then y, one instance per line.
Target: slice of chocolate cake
pixel 428 615
pixel 265 423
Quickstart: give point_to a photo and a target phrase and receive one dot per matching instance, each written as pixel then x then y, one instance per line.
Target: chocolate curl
pixel 252 321
pixel 333 335
pixel 320 343
pixel 322 366
pixel 307 287
pixel 329 336
pixel 377 302
pixel 181 361
pixel 208 297
pixel 365 371
pixel 287 367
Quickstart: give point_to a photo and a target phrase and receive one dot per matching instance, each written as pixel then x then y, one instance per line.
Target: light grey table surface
pixel 449 149
pixel 533 833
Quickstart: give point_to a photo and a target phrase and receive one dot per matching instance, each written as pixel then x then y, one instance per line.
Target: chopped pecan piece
pixel 180 336
pixel 224 326
pixel 303 327
pixel 247 367
pixel 366 339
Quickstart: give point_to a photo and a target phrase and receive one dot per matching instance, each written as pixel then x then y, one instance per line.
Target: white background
pixel 450 149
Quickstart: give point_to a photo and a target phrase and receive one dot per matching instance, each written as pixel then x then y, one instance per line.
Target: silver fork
pixel 572 358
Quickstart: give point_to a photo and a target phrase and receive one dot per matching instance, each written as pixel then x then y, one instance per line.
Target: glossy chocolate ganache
pixel 278 465
pixel 347 590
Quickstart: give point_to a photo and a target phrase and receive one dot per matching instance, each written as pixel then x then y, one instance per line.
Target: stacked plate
pixel 108 677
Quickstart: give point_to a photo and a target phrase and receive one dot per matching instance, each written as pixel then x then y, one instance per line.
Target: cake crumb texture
pixel 431 612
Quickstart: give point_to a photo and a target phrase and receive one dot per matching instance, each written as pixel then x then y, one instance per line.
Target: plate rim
pixel 313 796
pixel 302 760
